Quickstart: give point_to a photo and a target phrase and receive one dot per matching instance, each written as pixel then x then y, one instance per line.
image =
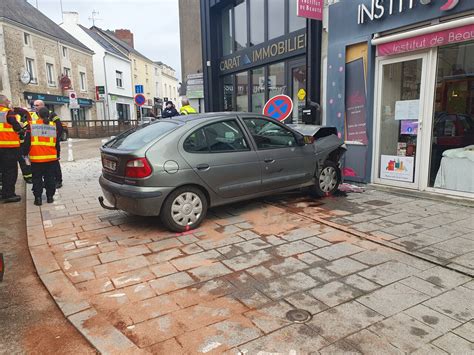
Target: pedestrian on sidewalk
pixel 169 110
pixel 41 143
pixel 39 104
pixel 9 150
pixel 186 108
pixel 23 117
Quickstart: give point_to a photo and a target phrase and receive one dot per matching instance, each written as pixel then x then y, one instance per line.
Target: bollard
pixel 70 156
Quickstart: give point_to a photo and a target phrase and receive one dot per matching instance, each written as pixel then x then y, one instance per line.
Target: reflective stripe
pixel 3 129
pixel 43 157
pixel 12 143
pixel 44 144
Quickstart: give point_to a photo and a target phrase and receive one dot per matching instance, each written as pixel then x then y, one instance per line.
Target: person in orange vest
pixel 41 143
pixel 9 150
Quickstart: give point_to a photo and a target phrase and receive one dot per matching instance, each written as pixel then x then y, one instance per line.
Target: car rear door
pixel 223 159
pixel 284 163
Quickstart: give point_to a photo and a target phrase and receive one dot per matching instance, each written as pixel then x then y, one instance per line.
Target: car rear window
pixel 140 136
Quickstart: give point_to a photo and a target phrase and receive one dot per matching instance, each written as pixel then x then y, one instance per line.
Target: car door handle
pixel 202 166
pixel 269 161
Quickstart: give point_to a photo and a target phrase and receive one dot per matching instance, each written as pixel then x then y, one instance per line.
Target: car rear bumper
pixel 141 201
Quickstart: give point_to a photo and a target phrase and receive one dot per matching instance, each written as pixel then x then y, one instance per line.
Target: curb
pixel 95 328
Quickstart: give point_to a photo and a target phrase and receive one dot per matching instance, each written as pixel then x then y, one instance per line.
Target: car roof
pixel 207 116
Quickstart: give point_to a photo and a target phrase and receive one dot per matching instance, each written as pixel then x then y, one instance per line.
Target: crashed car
pixel 178 168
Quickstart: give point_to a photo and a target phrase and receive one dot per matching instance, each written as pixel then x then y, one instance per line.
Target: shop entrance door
pixel 297 90
pixel 399 112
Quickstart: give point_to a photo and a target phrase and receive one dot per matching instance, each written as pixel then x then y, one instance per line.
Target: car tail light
pixel 138 168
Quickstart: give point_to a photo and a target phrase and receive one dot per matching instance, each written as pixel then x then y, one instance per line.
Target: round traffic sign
pixel 140 99
pixel 279 107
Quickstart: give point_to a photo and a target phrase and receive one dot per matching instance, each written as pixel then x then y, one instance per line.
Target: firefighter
pixel 23 117
pixel 41 142
pixel 38 104
pixel 186 108
pixel 9 150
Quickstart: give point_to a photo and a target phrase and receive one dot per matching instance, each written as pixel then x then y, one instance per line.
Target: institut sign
pixel 279 49
pixel 378 9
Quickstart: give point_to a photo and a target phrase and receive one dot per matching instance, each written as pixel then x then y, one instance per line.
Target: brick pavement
pixel 130 286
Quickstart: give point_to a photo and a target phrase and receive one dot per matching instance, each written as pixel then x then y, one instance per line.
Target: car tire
pixel 184 209
pixel 327 180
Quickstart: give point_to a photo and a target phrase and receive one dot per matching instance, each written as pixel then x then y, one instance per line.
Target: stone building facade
pixel 35 59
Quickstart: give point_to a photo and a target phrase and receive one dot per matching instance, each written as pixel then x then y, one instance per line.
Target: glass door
pixel 399 117
pixel 297 90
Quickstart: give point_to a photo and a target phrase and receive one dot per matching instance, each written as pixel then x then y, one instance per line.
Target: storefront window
pixel 298 75
pixel 257 23
pixel 240 13
pixel 276 80
pixel 296 23
pixel 227 31
pixel 258 90
pixel 276 18
pixel 228 93
pixel 241 81
pixel 452 146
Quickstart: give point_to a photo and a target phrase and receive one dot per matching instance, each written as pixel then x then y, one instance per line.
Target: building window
pixel 258 90
pixel 296 23
pixel 146 68
pixel 241 81
pixel 135 64
pixel 65 54
pixel 257 22
pixel 83 81
pixel 119 79
pixel 67 72
pixel 227 31
pixel 50 74
pixel 276 18
pixel 240 13
pixel 228 93
pixel 30 66
pixel 276 79
pixel 27 39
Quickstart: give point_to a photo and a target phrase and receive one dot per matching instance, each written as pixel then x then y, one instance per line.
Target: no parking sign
pixel 279 107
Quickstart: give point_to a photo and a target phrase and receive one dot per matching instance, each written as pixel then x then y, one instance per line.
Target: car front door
pixel 223 159
pixel 284 163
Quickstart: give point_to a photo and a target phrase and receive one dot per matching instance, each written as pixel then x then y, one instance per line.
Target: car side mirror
pixel 303 140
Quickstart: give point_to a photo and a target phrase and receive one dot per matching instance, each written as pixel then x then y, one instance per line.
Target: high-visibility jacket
pixel 187 110
pixel 8 137
pixel 35 117
pixel 43 142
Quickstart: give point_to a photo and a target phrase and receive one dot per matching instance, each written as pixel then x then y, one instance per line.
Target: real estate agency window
pixel 241 96
pixel 276 18
pixel 226 30
pixel 30 66
pixel 240 25
pixel 83 81
pixel 50 74
pixel 257 22
pixel 228 94
pixel 119 78
pixel 258 89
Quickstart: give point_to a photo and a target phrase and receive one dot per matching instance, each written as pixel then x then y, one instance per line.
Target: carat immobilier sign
pixel 312 9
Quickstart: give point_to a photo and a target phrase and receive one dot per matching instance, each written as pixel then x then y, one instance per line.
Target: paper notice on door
pixel 407 110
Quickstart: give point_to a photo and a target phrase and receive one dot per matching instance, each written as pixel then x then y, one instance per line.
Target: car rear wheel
pixel 327 180
pixel 184 209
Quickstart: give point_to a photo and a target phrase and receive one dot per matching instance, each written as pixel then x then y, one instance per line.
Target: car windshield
pixel 140 136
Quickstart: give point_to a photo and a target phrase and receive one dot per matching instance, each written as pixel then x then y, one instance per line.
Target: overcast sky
pixel 154 23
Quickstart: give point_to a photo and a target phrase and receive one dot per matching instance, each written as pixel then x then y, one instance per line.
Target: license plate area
pixel 109 164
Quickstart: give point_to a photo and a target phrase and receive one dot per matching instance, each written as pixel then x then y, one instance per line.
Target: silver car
pixel 178 168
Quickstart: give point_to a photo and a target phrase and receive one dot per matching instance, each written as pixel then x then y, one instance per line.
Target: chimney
pixel 71 17
pixel 126 36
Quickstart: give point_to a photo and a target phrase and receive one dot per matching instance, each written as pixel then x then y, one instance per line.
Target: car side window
pixel 196 142
pixel 225 136
pixel 269 135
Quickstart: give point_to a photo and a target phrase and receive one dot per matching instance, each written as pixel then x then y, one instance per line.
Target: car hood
pixel 313 130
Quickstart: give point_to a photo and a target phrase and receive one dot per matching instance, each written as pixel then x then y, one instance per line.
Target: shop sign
pixel 291 45
pixel 397 168
pixel 55 100
pixel 378 9
pixel 435 39
pixel 312 9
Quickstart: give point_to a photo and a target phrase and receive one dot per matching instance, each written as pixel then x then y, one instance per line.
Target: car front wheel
pixel 328 179
pixel 184 209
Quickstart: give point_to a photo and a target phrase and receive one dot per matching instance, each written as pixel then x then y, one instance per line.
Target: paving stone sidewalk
pixel 130 286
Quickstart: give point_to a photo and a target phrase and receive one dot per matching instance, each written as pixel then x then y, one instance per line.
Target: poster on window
pixel 397 168
pixel 356 103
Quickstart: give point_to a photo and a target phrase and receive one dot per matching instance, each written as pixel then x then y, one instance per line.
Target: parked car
pixel 178 168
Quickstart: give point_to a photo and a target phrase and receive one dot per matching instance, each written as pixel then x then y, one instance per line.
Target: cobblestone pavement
pixel 129 285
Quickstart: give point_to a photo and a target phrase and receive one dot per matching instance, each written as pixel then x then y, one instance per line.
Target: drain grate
pixel 298 316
